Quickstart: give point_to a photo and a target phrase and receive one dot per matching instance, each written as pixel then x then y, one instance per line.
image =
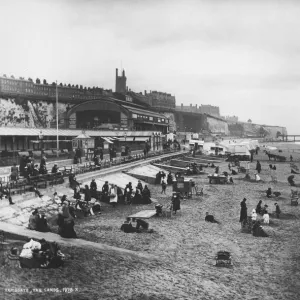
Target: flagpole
pixel 57 138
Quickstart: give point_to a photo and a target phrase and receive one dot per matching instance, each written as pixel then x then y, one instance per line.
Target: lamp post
pixel 41 140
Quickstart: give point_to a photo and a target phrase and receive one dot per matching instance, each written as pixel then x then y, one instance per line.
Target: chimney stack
pixel 116 72
pixel 145 92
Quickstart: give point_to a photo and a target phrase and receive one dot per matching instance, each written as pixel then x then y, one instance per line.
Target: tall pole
pixel 57 138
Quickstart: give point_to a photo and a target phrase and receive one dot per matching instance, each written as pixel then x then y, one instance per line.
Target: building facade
pixel 27 88
pixel 201 109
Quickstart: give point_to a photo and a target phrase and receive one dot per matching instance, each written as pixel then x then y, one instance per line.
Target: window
pixel 150 118
pixel 134 116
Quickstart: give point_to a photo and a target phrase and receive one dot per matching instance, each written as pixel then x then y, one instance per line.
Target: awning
pixel 83 136
pixel 141 139
pixel 107 140
pixel 128 139
pixel 134 139
pixel 144 112
pixel 29 132
pixel 48 141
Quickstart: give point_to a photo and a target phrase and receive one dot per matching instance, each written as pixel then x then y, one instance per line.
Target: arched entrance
pixel 96 114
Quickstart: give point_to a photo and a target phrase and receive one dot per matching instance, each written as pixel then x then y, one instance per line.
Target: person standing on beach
pixel 163 187
pixel 258 167
pixel 243 213
pixel 278 211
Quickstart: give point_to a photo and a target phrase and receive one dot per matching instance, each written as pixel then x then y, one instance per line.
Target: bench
pixel 17 187
pixel 56 178
pixel 38 181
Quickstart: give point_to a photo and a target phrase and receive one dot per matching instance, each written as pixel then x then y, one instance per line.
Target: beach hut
pixel 213 149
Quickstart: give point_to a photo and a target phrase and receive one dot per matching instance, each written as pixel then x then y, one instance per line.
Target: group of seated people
pixel 263 211
pixel 228 178
pixel 141 195
pixel 257 229
pixel 253 224
pixel 193 169
pixel 38 222
pixel 65 221
pixel 135 225
pixel 113 194
pixel 270 194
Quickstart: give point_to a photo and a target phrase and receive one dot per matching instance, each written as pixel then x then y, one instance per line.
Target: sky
pixel 242 55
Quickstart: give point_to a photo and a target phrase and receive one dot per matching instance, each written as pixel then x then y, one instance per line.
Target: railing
pixel 65 171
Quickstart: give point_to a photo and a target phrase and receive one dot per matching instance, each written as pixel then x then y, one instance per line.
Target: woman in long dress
pixel 243 214
pixel 113 195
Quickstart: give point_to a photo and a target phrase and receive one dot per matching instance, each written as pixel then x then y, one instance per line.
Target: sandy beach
pixel 185 247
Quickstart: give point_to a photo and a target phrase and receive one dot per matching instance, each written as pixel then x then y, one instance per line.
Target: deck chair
pixel 198 190
pixel 223 259
pixel 167 211
pixel 294 197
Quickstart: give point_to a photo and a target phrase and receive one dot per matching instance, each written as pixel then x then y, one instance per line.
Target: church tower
pixel 120 82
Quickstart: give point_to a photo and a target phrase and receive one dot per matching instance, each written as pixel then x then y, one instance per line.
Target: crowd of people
pixel 260 210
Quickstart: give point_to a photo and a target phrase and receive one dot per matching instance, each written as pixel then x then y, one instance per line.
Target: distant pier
pixel 291 138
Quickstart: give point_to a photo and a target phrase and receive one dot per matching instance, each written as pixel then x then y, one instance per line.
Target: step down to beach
pixel 52 237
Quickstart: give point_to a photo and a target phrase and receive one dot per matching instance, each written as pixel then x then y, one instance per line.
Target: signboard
pixel 123 122
pixel 90 143
pixel 180 185
pixel 75 144
pixel 72 121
